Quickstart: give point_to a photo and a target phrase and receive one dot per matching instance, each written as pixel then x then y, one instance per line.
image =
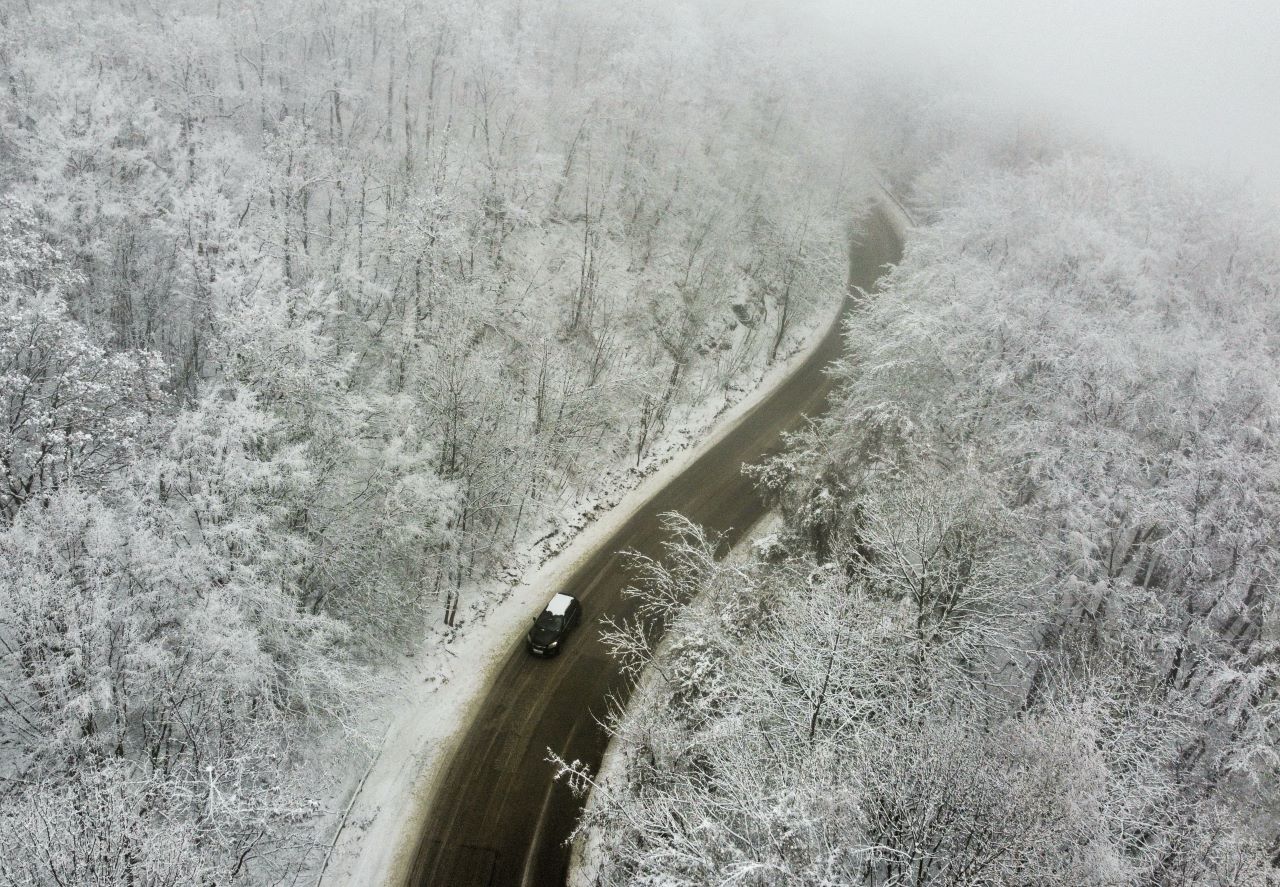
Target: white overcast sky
pixel 1195 82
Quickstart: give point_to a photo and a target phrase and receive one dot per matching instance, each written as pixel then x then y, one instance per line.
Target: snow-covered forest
pixel 312 313
pixel 317 317
pixel 1020 624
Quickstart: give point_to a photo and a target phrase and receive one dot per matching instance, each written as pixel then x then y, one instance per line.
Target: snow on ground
pixel 584 861
pixel 898 215
pixel 377 802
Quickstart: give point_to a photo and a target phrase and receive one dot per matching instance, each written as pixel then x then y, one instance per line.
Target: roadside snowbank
pixel 584 861
pixel 898 216
pixel 378 807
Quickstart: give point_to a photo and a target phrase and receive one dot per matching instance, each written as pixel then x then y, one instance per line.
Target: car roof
pixel 559 605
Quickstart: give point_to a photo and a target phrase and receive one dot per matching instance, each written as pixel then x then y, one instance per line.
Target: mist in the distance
pixel 1193 82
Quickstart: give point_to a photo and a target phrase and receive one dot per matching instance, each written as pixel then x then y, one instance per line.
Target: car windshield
pixel 550 621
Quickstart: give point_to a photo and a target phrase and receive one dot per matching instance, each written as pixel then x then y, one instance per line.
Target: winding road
pixel 498 819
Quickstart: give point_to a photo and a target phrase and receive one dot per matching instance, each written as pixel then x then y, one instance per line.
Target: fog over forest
pixel 1189 81
pixel 325 325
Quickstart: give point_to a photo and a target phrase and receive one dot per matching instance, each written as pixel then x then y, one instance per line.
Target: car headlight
pixel 553 645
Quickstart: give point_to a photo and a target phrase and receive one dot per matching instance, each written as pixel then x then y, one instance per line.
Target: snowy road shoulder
pixel 378 834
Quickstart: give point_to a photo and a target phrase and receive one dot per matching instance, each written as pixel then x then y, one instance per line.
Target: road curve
pixel 497 818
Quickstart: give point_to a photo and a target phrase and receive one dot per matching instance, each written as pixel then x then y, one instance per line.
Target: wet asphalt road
pixel 498 819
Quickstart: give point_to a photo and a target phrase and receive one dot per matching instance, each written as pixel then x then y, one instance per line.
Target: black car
pixel 563 612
